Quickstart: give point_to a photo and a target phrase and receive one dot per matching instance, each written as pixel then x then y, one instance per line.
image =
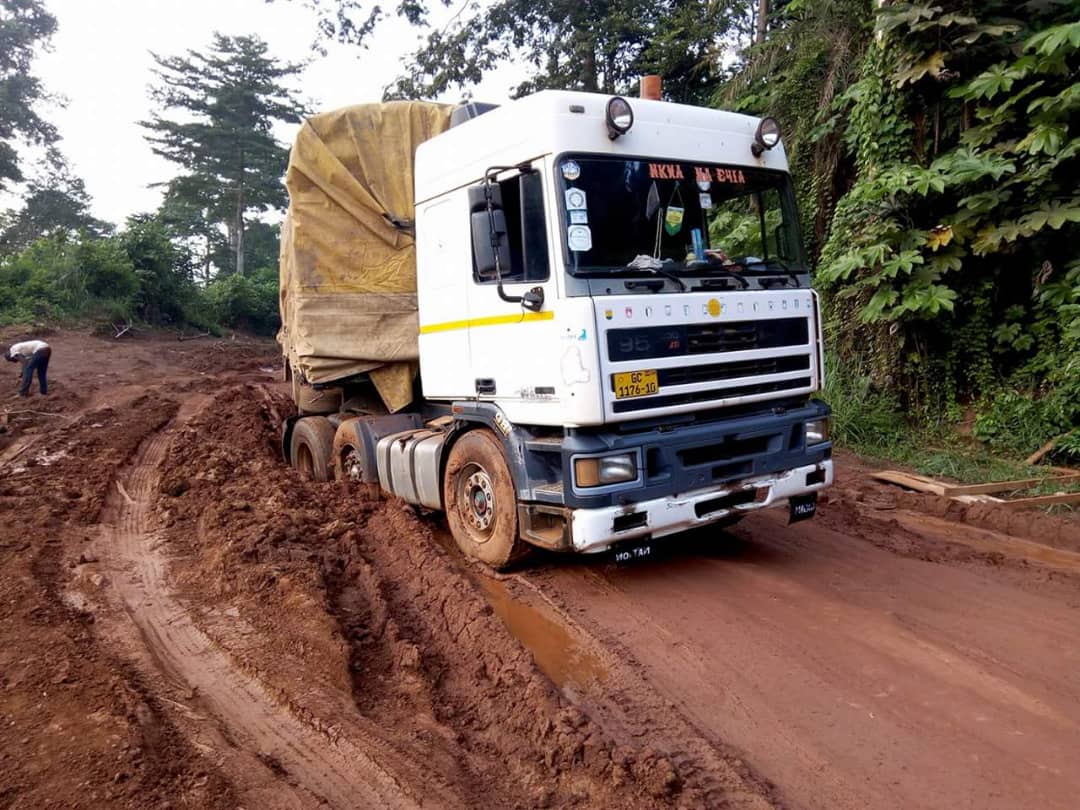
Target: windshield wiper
pixel 791 274
pixel 655 267
pixel 720 269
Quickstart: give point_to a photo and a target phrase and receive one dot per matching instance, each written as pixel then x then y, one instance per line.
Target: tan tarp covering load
pixel 348 275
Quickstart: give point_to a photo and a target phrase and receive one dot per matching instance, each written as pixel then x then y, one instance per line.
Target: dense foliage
pixel 940 178
pixel 933 144
pixel 174 267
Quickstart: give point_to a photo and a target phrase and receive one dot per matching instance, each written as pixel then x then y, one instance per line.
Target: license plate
pixel 631 552
pixel 636 384
pixel 802 507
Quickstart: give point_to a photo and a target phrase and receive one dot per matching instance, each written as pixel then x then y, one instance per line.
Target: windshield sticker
pixel 579 238
pixel 579 217
pixel 703 177
pixel 665 171
pixel 673 220
pixel 575 199
pixel 706 201
pixel 571 170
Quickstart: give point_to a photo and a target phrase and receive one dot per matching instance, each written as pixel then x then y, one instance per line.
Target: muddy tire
pixel 312 448
pixel 348 454
pixel 481 506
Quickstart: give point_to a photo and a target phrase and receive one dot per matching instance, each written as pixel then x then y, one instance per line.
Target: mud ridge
pixel 343 774
pixel 379 615
pixel 76 721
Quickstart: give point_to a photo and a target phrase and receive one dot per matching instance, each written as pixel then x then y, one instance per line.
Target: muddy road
pixel 185 623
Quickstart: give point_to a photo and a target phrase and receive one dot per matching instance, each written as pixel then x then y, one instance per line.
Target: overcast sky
pixel 100 62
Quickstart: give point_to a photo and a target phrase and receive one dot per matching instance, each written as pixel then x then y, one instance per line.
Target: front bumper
pixel 594 530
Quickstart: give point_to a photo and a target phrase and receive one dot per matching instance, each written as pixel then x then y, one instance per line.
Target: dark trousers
pixel 39 361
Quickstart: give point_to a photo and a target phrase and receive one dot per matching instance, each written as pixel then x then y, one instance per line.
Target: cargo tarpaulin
pixel 348 257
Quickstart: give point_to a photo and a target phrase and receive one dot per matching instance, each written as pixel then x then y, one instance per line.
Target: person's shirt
pixel 25 350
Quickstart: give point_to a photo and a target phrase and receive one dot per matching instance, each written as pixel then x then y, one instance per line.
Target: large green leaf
pixel 1053 214
pixel 1055 40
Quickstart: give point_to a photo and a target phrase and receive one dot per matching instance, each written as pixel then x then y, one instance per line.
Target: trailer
pixel 573 321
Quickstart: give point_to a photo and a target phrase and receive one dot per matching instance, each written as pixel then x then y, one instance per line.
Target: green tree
pixel 25 27
pixel 164 269
pixel 590 45
pixel 225 103
pixel 54 202
pixel 809 54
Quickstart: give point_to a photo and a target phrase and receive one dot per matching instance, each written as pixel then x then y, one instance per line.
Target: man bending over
pixel 34 356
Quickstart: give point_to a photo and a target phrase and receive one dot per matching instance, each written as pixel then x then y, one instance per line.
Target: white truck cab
pixel 618 339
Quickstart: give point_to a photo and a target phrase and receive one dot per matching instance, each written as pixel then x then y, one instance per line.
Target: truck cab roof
pixel 560 121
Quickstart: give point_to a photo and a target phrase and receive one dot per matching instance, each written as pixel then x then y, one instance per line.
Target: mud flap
pixel 802 507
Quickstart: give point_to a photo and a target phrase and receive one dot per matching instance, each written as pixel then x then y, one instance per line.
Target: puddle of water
pixel 555 648
pixel 558 651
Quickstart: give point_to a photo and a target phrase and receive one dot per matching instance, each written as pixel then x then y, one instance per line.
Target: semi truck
pixel 573 321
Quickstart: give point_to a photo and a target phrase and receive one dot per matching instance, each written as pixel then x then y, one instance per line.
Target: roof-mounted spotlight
pixel 619 117
pixel 766 137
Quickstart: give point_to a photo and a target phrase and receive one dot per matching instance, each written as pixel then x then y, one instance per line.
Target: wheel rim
pixel 352 465
pixel 476 501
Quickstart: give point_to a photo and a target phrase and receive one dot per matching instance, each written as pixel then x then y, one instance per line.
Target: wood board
pixel 981 492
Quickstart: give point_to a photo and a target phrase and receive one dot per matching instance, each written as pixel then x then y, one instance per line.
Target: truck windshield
pixel 621 214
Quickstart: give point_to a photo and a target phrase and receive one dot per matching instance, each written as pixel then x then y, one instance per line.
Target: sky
pixel 100 62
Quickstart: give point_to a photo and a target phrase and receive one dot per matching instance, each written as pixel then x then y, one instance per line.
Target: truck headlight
pixel 598 472
pixel 817 431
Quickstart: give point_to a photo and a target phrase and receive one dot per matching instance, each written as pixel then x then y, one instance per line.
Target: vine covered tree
pixel 25 27
pixel 217 110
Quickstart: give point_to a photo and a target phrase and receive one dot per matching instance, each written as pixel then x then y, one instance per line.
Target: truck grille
pixel 706 338
pixel 731 371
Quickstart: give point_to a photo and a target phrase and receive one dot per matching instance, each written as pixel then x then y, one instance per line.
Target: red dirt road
pixel 186 623
pixel 849 675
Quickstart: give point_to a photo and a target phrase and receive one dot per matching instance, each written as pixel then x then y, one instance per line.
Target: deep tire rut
pixel 339 772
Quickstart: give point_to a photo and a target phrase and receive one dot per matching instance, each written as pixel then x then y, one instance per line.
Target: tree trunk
pixel 762 20
pixel 240 219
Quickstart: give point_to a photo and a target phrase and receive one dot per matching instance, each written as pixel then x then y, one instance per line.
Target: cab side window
pixel 520 223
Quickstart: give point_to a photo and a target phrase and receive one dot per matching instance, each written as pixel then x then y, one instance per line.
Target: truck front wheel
pixel 312 447
pixel 481 506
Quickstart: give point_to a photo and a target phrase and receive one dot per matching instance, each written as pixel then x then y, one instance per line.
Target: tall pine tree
pixel 221 107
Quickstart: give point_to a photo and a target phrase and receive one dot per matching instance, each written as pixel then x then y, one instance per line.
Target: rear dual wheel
pixel 481 504
pixel 311 448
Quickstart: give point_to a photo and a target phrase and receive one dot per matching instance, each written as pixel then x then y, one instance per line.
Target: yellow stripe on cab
pixel 491 320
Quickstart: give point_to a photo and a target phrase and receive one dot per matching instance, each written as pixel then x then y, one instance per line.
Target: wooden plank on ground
pixel 916 482
pixel 1041 500
pixel 1007 486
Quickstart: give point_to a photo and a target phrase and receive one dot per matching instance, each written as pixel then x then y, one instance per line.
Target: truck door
pixel 513 349
pixel 443 250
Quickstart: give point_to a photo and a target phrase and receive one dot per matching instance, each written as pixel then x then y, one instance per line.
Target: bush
pixel 245 302
pixel 62 278
pixel 864 418
pixel 1022 421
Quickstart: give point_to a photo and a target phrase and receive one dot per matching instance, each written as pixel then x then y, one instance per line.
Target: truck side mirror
pixel 489 235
